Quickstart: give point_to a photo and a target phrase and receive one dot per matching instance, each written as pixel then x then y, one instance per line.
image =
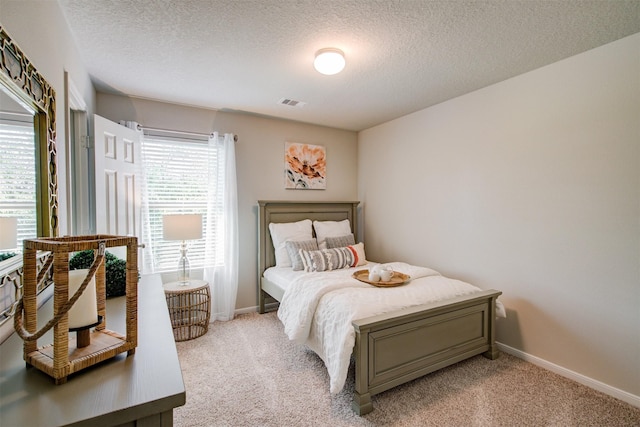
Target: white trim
pixel 74 163
pixel 579 378
pixel 245 310
pixel 268 307
pixel 75 99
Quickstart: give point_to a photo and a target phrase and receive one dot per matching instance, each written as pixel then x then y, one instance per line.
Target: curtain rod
pixel 235 137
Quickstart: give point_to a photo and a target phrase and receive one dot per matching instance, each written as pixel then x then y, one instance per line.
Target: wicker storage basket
pixel 189 309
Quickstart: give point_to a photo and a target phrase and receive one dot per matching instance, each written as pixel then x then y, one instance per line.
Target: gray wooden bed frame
pixel 396 347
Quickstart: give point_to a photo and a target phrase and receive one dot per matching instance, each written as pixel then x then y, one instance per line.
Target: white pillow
pixel 361 257
pixel 326 229
pixel 284 231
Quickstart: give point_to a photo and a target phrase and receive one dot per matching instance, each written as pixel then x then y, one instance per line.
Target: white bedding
pixel 283 276
pixel 317 308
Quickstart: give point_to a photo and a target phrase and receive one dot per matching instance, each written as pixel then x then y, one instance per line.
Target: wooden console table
pixel 138 390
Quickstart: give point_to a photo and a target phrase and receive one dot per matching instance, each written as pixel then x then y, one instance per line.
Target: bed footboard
pixel 394 348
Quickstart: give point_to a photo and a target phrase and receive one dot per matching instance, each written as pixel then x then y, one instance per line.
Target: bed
pixel 389 348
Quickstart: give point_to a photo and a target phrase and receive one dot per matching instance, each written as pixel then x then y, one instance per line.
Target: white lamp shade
pixel 182 227
pixel 8 233
pixel 329 61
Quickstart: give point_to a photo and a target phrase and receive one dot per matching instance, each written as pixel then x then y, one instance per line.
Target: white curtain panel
pixel 221 250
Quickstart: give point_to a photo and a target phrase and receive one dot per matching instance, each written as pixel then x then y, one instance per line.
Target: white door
pixel 117 183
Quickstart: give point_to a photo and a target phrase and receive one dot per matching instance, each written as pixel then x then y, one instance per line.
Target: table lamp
pixel 182 227
pixel 8 233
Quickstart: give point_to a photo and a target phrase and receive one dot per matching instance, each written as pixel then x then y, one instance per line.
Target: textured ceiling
pixel 402 56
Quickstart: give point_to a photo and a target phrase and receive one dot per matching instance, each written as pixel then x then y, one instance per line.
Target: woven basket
pixel 189 310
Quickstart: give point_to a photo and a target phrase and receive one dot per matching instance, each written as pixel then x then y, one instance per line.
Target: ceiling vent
pixel 292 102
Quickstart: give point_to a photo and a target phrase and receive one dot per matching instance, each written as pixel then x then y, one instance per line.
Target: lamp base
pixel 184 269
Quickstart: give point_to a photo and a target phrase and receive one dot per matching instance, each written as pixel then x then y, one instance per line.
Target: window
pixel 177 179
pixel 18 176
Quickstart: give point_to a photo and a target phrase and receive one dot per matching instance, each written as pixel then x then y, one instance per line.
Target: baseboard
pixel 268 307
pixel 579 378
pixel 246 310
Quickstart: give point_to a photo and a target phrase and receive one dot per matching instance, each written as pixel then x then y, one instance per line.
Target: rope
pixel 44 270
pixel 19 324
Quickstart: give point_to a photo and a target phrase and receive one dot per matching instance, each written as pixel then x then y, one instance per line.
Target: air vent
pixel 292 102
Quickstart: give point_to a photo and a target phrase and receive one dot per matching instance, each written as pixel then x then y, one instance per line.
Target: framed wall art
pixel 305 166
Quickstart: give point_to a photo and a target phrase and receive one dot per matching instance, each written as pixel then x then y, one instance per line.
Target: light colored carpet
pixel 246 373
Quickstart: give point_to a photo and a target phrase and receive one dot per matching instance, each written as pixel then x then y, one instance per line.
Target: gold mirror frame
pixel 20 77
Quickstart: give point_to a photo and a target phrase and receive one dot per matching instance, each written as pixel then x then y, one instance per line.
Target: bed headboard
pixel 287 211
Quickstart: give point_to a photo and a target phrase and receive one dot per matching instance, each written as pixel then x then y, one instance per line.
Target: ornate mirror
pixel 27 101
pixel 22 82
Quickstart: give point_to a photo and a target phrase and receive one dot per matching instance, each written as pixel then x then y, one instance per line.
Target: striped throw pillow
pixel 293 249
pixel 340 241
pixel 327 259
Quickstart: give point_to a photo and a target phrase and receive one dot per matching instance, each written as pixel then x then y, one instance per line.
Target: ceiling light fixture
pixel 329 61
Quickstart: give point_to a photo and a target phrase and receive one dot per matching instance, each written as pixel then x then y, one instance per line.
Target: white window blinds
pixel 175 182
pixel 18 177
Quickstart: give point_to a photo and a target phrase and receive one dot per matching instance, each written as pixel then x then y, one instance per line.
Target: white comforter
pixel 317 309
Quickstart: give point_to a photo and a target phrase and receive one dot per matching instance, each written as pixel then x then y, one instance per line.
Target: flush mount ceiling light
pixel 329 61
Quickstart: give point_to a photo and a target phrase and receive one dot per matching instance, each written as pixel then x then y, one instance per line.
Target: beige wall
pixel 40 31
pixel 259 162
pixel 530 186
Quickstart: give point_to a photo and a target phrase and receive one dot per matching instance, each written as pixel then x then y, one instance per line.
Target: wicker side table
pixel 189 308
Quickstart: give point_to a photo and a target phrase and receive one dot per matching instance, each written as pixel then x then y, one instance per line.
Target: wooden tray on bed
pixel 397 279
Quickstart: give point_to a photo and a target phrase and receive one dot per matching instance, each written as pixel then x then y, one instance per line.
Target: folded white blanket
pixel 317 309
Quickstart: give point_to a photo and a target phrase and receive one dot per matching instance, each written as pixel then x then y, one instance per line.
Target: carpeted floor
pixel 246 373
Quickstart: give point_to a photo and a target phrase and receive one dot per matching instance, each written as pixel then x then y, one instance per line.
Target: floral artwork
pixel 305 166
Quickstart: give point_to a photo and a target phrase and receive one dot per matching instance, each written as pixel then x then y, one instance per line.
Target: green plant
pixel 115 270
pixel 116 277
pixel 7 255
pixel 83 259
